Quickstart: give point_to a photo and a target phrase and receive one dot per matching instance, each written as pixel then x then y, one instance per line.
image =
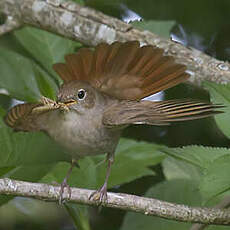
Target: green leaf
pixel 216 178
pixel 81 2
pixel 131 162
pixel 177 169
pixel 162 28
pixel 9 42
pixel 17 76
pixel 46 85
pixel 176 191
pixel 46 48
pixel 220 94
pixel 32 173
pixel 21 60
pixel 85 177
pixel 196 155
pixel 79 214
pixel 209 166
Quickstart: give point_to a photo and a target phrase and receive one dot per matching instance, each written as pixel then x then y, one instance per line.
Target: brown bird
pixel 101 96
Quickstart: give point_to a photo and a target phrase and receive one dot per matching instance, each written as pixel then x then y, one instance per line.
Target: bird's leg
pixel 101 194
pixel 64 183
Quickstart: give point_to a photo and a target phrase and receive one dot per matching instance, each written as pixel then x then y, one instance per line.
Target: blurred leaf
pixel 220 94
pixel 23 78
pixel 5 100
pixel 9 42
pixel 46 48
pixel 132 159
pixel 84 177
pixel 177 191
pixel 2 18
pixel 216 178
pixel 5 198
pixel 109 7
pixel 196 155
pixel 162 28
pixel 79 215
pixel 131 162
pixel 17 76
pixel 177 169
pixel 81 2
pixel 32 173
pixel 46 85
pixel 5 170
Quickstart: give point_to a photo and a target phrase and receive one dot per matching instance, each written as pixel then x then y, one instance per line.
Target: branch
pixel 91 27
pixel 10 24
pixel 147 206
pixel 225 203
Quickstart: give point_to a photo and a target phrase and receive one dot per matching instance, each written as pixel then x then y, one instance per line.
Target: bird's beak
pixel 65 106
pixel 70 102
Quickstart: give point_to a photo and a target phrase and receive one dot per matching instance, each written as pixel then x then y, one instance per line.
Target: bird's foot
pixel 100 195
pixel 64 185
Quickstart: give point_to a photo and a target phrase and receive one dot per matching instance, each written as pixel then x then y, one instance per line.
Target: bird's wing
pixel 123 70
pixel 157 113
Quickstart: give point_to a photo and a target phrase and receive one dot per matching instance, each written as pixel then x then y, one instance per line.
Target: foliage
pixel 162 28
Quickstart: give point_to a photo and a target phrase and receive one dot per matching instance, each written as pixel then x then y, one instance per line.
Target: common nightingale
pixel 101 95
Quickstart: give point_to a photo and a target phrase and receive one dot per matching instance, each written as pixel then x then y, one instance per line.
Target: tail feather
pixel 158 113
pixel 123 70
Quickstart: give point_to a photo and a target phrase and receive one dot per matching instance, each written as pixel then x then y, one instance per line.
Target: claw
pixel 100 195
pixel 64 185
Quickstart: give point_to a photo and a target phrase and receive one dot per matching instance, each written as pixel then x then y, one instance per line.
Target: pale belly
pixel 78 136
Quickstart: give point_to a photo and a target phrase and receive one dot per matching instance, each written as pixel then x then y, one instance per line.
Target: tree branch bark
pixel 9 25
pixel 144 205
pixel 225 203
pixel 91 27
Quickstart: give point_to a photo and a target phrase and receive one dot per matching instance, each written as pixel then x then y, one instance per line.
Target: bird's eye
pixel 81 94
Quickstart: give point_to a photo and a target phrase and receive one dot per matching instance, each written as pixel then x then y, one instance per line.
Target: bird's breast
pixel 81 135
